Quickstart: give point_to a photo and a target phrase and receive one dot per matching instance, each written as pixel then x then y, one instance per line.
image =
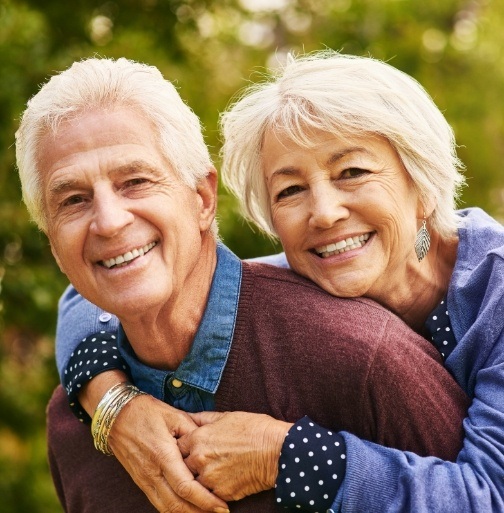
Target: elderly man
pixel 115 171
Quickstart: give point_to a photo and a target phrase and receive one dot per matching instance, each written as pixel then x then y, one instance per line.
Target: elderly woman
pixel 349 162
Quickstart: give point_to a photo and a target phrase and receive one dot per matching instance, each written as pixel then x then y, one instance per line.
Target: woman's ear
pixel 425 208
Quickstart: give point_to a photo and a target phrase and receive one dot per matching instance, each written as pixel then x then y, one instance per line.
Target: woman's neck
pixel 424 284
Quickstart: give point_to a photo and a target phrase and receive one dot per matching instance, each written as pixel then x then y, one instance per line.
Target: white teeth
pixel 339 245
pixel 342 246
pixel 128 256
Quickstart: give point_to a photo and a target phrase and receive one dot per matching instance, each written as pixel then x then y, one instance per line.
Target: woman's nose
pixel 110 214
pixel 327 207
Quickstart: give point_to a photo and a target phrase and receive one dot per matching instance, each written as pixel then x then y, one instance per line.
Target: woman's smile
pixel 342 246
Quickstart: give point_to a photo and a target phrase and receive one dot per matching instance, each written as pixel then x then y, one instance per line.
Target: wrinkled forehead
pixel 94 128
pixel 309 137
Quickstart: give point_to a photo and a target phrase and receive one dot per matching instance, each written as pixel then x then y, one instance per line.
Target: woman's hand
pixel 234 454
pixel 144 440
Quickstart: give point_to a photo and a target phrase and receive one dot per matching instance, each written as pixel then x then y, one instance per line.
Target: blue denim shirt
pixel 192 386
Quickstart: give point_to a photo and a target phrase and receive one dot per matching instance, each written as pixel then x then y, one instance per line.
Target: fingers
pixel 185 496
pixel 144 440
pixel 206 417
pixel 169 484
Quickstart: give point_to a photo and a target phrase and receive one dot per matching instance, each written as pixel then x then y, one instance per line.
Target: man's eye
pixel 72 200
pixel 289 191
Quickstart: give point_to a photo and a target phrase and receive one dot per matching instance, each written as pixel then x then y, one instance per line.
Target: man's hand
pixel 144 440
pixel 234 454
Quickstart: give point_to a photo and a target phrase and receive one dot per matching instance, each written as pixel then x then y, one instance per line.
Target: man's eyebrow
pixel 66 184
pixel 136 165
pixel 61 186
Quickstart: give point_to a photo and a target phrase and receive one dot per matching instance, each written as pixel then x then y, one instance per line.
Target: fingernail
pixel 221 510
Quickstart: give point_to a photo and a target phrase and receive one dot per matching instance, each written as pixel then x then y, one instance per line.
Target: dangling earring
pixel 422 242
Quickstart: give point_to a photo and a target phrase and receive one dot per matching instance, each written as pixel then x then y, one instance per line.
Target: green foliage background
pixel 211 49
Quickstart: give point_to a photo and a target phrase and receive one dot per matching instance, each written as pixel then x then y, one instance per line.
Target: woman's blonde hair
pixel 346 96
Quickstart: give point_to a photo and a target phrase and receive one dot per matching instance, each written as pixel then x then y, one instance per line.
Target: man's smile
pixel 128 256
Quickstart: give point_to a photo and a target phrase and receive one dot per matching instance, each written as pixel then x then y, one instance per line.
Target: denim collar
pixel 202 368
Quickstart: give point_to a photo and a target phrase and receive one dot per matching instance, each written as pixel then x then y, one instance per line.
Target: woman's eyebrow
pixel 338 155
pixel 284 171
pixel 333 159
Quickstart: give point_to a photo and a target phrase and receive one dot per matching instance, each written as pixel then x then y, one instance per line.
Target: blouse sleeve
pixel 311 467
pixel 77 319
pixel 95 354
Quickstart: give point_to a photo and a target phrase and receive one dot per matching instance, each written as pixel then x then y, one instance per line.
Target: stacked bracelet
pixel 107 411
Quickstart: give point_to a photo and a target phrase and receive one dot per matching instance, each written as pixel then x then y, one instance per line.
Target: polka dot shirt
pixel 439 330
pixel 95 354
pixel 311 467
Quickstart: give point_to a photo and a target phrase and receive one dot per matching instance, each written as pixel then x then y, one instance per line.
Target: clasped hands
pixel 192 463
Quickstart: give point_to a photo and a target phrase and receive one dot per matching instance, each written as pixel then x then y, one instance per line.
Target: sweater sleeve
pixel 383 479
pixel 78 319
pixel 412 401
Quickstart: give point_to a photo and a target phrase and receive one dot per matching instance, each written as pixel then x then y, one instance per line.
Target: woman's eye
pixel 135 181
pixel 353 172
pixel 289 191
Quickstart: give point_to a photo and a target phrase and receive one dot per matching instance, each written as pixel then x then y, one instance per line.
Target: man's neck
pixel 162 339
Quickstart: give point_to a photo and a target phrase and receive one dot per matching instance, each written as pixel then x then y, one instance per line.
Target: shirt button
pixel 176 383
pixel 105 317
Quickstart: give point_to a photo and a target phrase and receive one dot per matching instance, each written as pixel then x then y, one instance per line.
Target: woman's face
pixel 345 211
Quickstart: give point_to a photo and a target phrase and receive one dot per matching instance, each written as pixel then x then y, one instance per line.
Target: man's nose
pixel 110 214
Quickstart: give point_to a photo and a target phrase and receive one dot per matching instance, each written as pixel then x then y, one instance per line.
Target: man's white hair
pixel 98 83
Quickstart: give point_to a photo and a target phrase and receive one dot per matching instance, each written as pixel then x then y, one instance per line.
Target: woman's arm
pixel 77 319
pixel 144 435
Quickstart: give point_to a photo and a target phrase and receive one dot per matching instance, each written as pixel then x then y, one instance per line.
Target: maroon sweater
pixel 348 364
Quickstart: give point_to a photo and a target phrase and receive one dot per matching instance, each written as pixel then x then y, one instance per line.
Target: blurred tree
pixel 210 49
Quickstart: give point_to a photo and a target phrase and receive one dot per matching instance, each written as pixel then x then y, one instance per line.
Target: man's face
pixel 123 227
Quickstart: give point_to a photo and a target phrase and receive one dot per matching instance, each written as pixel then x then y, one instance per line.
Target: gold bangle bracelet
pixel 107 411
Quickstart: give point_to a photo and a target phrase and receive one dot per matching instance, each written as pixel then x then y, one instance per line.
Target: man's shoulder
pixel 282 288
pixel 269 275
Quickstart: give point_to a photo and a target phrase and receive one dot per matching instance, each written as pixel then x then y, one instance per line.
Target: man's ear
pixel 55 255
pixel 207 192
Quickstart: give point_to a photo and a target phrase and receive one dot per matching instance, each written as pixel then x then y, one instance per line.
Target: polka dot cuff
pixel 95 354
pixel 312 466
pixel 439 327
